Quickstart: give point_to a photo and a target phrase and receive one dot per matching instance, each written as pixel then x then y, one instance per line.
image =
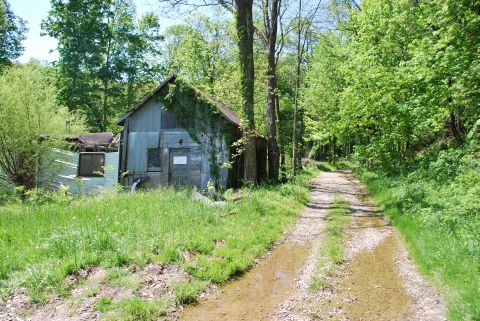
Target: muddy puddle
pixel 372 288
pixel 375 286
pixel 254 295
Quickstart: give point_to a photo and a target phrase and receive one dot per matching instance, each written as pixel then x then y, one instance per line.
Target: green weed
pixel 331 250
pixel 122 277
pixel 91 292
pixel 141 310
pixel 187 292
pixel 104 303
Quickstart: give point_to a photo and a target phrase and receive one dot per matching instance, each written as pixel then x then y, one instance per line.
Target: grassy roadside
pixel 331 250
pixel 438 219
pixel 42 245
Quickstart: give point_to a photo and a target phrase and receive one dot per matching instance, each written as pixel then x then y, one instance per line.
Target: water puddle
pixel 372 288
pixel 254 295
pixel 375 285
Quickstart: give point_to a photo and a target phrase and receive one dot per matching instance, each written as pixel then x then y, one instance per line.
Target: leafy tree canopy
pixel 12 33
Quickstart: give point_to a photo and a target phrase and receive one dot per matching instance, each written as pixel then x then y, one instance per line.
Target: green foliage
pixel 28 111
pixel 12 33
pixel 42 244
pixel 200 50
pixel 400 76
pixel 105 56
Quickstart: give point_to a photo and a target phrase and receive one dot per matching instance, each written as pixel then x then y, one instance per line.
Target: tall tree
pixel 142 50
pixel 200 50
pixel 12 33
pixel 245 31
pixel 303 35
pixel 102 51
pixel 271 15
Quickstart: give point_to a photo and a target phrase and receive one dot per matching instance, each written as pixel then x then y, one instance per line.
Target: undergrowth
pixel 131 309
pixel 436 207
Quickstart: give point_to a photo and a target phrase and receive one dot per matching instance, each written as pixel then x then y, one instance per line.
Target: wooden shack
pixel 179 135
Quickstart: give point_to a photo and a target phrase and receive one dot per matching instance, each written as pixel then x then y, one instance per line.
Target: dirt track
pixel 376 282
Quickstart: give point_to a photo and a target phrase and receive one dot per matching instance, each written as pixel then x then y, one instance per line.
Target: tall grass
pixel 436 207
pixel 41 245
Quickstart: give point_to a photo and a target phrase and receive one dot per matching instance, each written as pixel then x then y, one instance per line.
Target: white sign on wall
pixel 179 160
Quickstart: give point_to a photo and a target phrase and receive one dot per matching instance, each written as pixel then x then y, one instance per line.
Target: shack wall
pixel 62 168
pixel 143 130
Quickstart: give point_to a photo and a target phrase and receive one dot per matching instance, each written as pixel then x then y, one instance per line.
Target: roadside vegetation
pixel 41 245
pixel 395 89
pixel 331 250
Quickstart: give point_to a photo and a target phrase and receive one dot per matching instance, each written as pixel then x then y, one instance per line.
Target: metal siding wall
pixel 148 119
pixel 138 142
pixel 63 171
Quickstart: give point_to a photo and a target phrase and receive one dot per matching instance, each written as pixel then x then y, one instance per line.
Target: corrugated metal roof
pixel 102 138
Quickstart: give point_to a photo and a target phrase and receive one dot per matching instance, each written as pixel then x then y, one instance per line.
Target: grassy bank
pixel 41 245
pixel 436 207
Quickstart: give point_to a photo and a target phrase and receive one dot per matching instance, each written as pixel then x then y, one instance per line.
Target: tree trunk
pixel 273 153
pixel 297 88
pixel 244 25
pixel 281 137
pixel 105 106
pixel 25 172
pixel 454 128
pixel 106 74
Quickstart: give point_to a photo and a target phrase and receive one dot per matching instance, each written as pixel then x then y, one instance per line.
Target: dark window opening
pixel 154 159
pixel 91 164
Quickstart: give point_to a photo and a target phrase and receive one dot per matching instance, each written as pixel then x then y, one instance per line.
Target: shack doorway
pixel 178 166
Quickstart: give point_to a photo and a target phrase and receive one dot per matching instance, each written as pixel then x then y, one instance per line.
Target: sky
pixel 43 47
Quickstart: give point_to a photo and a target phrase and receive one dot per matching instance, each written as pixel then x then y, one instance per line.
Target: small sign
pixel 179 160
